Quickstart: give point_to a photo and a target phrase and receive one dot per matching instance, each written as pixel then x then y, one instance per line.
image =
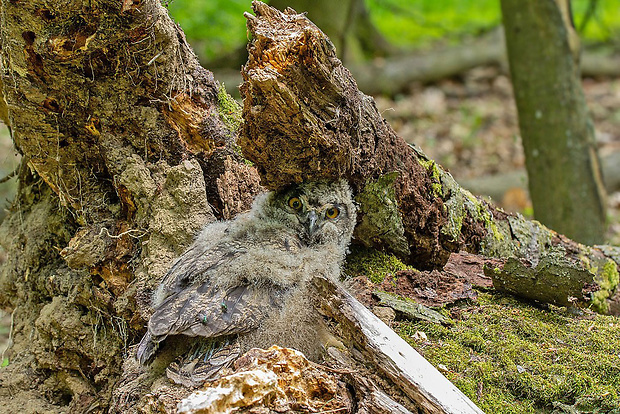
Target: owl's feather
pixel 208 311
pixel 240 276
pixel 203 363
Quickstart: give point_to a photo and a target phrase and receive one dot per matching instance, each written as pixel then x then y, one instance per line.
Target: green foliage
pixel 216 27
pixel 603 25
pixel 213 27
pixel 420 23
pixel 511 357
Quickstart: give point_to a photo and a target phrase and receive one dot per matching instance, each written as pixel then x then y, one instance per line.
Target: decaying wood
pixel 305 119
pixel 389 353
pixel 129 149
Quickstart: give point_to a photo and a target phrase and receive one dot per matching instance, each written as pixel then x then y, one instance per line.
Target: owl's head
pixel 320 212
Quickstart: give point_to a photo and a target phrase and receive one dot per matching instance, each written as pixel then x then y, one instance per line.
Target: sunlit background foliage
pixel 216 27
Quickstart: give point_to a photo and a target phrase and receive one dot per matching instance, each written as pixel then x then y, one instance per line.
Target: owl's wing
pixel 208 311
pixel 193 266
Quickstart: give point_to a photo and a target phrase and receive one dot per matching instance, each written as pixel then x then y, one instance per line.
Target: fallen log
pixel 396 73
pixel 306 119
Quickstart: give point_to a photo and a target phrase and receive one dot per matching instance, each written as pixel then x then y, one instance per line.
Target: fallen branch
pixel 391 355
pixel 496 185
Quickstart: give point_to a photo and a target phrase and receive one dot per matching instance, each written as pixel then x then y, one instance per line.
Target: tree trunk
pixel 128 150
pixel 565 180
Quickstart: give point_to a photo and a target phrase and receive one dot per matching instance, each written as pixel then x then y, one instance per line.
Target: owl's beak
pixel 312 226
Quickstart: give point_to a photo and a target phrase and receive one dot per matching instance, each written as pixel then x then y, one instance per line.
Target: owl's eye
pixel 332 212
pixel 294 203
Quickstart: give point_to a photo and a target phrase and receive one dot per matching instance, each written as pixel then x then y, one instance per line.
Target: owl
pixel 243 283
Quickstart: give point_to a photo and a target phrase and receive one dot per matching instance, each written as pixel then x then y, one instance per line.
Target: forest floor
pixel 468 125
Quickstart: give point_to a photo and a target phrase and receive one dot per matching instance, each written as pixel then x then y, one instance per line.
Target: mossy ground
pixel 372 263
pixel 509 356
pixel 512 357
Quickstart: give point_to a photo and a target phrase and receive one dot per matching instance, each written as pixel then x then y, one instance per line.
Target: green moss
pixel 480 212
pixel 436 173
pixel 607 279
pixel 229 109
pixel 381 221
pixel 376 265
pixel 510 357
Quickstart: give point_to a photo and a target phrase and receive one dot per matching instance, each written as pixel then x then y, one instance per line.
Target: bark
pixel 564 173
pixel 128 149
pixel 305 119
